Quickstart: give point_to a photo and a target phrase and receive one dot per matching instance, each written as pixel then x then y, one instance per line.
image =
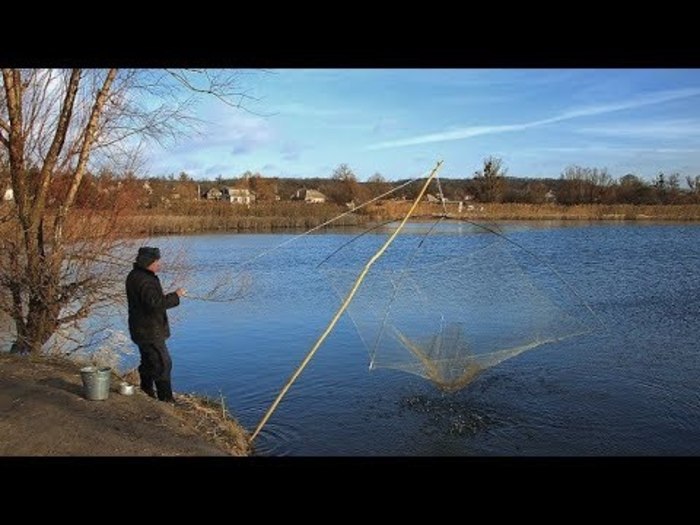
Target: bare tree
pixel 377 185
pixel 631 189
pixel 344 187
pixel 581 185
pixel 490 180
pixel 694 186
pixel 667 188
pixel 265 189
pixel 377 178
pixel 344 173
pixel 674 189
pixel 55 127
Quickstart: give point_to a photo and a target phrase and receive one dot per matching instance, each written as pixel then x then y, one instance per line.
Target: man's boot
pixel 165 392
pixel 147 386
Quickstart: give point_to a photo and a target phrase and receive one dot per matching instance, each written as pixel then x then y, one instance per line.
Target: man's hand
pixel 181 292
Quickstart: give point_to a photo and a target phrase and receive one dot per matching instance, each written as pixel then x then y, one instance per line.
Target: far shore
pixel 260 220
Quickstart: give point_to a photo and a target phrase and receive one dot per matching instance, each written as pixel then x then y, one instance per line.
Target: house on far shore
pixel 9 195
pixel 309 196
pixel 550 196
pixel 237 196
pixel 431 198
pixel 212 194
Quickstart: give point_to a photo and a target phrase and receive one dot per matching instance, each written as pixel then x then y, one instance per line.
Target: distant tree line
pixel 575 185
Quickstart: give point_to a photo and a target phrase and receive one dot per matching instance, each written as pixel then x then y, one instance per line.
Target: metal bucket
pixel 96 382
pixel 126 389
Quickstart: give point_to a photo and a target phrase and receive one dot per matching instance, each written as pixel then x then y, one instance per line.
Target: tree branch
pixel 15 140
pixel 55 125
pixel 214 89
pixel 56 146
pixel 88 139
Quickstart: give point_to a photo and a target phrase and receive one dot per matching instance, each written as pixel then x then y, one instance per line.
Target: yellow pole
pixel 344 306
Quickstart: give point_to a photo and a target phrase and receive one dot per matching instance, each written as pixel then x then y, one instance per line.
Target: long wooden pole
pixel 344 306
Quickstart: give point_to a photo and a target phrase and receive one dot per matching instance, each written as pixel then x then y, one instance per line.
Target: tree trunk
pixel 40 326
pixel 42 312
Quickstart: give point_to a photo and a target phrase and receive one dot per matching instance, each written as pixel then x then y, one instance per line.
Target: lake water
pixel 630 387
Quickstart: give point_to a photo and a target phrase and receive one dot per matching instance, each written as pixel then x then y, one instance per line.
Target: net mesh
pixel 450 299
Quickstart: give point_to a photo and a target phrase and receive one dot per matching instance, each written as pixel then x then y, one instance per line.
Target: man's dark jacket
pixel 148 322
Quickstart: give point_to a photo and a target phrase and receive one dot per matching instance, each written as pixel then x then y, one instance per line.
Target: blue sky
pixel 399 122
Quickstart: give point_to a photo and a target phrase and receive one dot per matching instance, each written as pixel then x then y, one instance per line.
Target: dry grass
pixel 300 216
pixel 49 417
pixel 210 418
pixel 515 211
pixel 132 376
pixel 234 218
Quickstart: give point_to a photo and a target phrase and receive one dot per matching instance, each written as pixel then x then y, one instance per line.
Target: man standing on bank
pixel 148 322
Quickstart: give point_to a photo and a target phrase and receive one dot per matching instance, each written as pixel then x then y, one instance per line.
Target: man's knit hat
pixel 147 255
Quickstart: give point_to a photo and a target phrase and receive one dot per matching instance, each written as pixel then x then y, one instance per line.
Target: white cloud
pixel 476 99
pixel 385 124
pixel 216 169
pixel 290 151
pixel 246 133
pixel 620 150
pixel 599 109
pixel 298 109
pixel 665 129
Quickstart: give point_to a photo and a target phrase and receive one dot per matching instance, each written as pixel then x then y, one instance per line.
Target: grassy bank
pixel 299 216
pixel 233 218
pixel 513 211
pixel 209 417
pixel 46 414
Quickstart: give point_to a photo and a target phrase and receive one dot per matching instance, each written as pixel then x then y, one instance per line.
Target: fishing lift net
pixel 449 299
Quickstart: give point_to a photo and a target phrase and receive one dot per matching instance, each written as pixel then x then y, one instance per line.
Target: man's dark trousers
pixel 156 367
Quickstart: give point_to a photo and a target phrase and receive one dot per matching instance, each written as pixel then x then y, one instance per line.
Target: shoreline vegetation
pixel 299 216
pixel 207 416
pixel 49 416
